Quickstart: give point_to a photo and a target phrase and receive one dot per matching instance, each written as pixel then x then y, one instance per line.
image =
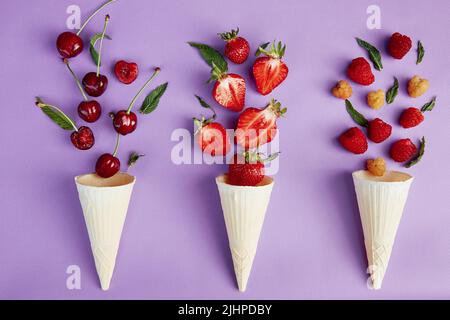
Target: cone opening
pixel 389 176
pixel 92 180
pixel 266 182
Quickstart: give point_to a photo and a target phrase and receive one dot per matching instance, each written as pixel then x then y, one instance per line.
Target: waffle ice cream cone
pixel 105 204
pixel 244 209
pixel 381 201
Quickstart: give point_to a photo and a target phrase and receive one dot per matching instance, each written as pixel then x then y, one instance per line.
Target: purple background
pixel 174 243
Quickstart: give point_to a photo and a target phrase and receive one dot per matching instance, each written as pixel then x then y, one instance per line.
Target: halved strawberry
pixel 229 89
pixel 211 136
pixel 269 71
pixel 256 127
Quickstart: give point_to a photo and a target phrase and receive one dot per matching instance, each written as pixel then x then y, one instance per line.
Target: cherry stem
pixel 101 44
pixel 117 145
pixel 93 15
pixel 66 61
pixel 155 73
pixel 41 104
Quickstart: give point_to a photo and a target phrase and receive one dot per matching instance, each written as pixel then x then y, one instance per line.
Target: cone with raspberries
pixel 244 194
pixel 105 203
pixel 381 200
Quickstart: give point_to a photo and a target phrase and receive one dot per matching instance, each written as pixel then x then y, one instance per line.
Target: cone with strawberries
pixel 381 198
pixel 244 194
pixel 105 203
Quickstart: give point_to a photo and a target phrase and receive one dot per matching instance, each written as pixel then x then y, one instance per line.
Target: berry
pixel 90 110
pixel 256 127
pixel 402 150
pixel 213 139
pixel 237 48
pixel 126 72
pixel 83 139
pixel 69 44
pixel 125 123
pixel 376 166
pixel 229 91
pixel 399 45
pixel 360 72
pixel 244 172
pixel 269 71
pixel 378 130
pixel 107 165
pixel 95 85
pixel 354 140
pixel 342 90
pixel 411 117
pixel 417 86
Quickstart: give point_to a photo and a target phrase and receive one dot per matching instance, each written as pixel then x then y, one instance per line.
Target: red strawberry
pixel 354 140
pixel 411 117
pixel 229 89
pixel 359 71
pixel 126 72
pixel 402 150
pixel 256 127
pixel 399 45
pixel 269 71
pixel 247 169
pixel 378 130
pixel 237 48
pixel 211 136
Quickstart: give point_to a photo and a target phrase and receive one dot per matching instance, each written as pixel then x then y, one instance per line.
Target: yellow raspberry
pixel 376 166
pixel 342 90
pixel 375 99
pixel 417 86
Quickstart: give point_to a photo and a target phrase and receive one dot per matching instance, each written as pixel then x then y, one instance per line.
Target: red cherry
pixel 69 44
pixel 90 110
pixel 124 122
pixel 95 85
pixel 126 72
pixel 107 165
pixel 83 139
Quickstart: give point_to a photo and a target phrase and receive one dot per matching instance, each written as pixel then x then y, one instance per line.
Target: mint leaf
pixel 151 101
pixel 374 54
pixel 356 116
pixel 429 106
pixel 203 103
pixel 56 115
pixel 92 42
pixel 211 55
pixel 134 157
pixel 419 155
pixel 392 92
pixel 420 52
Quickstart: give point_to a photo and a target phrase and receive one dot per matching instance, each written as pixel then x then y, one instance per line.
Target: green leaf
pixel 203 103
pixel 356 116
pixel 429 105
pixel 419 155
pixel 374 54
pixel 392 92
pixel 56 115
pixel 420 52
pixel 261 49
pixel 134 157
pixel 151 101
pixel 210 55
pixel 94 39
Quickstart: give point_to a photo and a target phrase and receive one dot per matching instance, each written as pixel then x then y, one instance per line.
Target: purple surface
pixel 174 243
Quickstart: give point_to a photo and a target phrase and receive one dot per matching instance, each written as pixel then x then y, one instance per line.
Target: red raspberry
pixel 379 130
pixel 399 45
pixel 354 140
pixel 359 71
pixel 411 117
pixel 402 150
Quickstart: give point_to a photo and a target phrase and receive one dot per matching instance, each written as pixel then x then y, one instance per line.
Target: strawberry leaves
pixel 374 54
pixel 56 115
pixel 134 157
pixel 429 105
pixel 419 154
pixel 420 52
pixel 392 92
pixel 152 100
pixel 276 51
pixel 355 115
pixel 94 54
pixel 211 56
